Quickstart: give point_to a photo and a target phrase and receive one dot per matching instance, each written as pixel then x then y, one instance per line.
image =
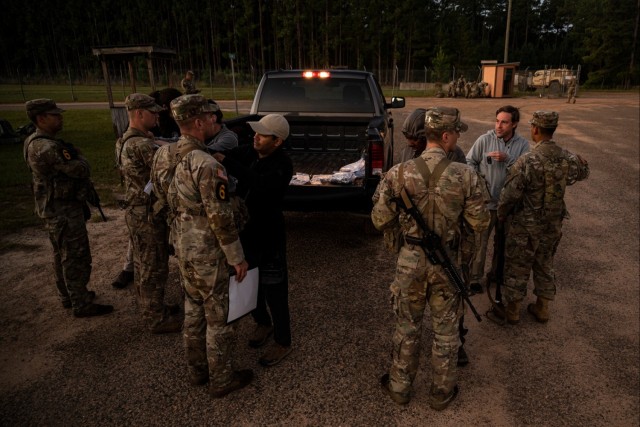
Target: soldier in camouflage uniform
pixel 60 184
pixel 147 230
pixel 458 195
pixel 188 85
pixel 413 131
pixel 534 197
pixel 206 242
pixel 571 91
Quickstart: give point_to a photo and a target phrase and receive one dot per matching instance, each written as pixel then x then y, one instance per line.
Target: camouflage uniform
pixel 188 85
pixel 60 176
pixel 206 243
pixel 534 195
pixel 571 92
pixel 148 232
pixel 458 194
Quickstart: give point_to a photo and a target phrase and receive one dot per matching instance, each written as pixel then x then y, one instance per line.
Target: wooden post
pixel 132 76
pixel 150 69
pixel 107 81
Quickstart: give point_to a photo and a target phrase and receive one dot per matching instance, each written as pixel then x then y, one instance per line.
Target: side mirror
pixel 396 102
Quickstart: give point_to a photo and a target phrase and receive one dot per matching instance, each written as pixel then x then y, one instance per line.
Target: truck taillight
pixel 316 74
pixel 377 158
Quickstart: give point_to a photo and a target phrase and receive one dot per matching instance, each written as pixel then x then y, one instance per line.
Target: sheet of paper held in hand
pixel 243 296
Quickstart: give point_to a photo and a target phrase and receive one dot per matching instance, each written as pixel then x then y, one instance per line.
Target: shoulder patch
pixel 221 191
pixel 66 154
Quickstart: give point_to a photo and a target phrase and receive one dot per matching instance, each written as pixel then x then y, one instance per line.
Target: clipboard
pixel 243 296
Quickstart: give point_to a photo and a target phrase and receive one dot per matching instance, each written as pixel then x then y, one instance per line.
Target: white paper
pixel 243 296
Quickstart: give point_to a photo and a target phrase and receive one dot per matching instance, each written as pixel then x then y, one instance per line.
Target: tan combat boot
pixel 540 310
pixel 513 312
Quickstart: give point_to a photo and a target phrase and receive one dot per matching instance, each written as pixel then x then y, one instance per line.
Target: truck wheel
pixel 554 88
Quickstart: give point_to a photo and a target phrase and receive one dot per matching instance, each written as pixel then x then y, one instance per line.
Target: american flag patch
pixel 222 175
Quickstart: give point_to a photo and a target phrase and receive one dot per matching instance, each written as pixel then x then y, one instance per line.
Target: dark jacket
pixel 262 183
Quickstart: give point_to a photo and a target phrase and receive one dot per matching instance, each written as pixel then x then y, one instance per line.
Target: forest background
pixel 411 40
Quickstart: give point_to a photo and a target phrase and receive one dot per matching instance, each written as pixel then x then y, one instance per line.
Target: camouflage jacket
pixel 135 161
pixel 204 226
pixel 534 189
pixel 162 171
pixel 459 193
pixel 60 175
pixel 188 86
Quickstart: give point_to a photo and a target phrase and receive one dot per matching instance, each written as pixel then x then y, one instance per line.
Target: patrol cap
pixel 186 106
pixel 413 126
pixel 272 124
pixel 140 101
pixel 444 118
pixel 42 106
pixel 545 119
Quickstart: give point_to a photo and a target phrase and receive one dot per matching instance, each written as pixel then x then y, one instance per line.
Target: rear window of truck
pixel 315 95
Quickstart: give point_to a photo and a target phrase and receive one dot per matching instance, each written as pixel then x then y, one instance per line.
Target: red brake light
pixel 316 74
pixel 377 158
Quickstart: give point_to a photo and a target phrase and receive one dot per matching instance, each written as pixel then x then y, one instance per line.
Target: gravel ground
pixel 579 369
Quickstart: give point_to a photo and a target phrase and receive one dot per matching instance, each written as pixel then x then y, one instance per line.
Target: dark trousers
pixel 276 297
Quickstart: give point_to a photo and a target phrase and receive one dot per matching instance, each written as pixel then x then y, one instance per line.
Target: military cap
pixel 186 106
pixel 42 106
pixel 444 118
pixel 413 126
pixel 272 124
pixel 545 119
pixel 140 101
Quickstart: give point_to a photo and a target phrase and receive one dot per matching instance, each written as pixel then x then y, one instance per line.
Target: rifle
pixel 432 246
pixel 94 199
pixel 497 311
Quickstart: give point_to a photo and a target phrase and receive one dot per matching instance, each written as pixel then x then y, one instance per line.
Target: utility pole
pixel 506 37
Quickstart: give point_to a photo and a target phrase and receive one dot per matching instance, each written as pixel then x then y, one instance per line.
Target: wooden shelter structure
pixel 127 54
pixel 500 77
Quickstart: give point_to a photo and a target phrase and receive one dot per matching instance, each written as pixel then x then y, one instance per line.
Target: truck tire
pixel 554 88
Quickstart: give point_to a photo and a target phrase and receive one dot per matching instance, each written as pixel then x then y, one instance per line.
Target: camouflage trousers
pixel 71 257
pixel 150 238
pixel 208 339
pixel 528 250
pixel 416 284
pixel 480 251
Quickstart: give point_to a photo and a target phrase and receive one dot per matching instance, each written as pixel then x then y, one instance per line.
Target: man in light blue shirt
pixel 491 155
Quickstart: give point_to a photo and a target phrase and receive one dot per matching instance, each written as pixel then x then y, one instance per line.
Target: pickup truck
pixel 336 118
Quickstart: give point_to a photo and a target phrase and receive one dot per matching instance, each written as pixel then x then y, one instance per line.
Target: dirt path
pixel 582 368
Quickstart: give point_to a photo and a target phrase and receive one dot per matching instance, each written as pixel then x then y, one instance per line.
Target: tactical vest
pixel 430 181
pixel 556 170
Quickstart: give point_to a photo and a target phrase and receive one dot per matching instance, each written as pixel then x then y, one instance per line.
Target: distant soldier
pixel 533 195
pixel 458 195
pixel 60 186
pixel 188 84
pixel 571 92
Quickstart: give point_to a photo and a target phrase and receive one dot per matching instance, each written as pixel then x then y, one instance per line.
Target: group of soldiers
pixel 184 194
pixel 468 89
pixel 505 183
pixel 177 196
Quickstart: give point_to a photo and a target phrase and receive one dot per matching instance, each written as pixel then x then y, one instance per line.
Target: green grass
pixel 90 131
